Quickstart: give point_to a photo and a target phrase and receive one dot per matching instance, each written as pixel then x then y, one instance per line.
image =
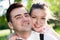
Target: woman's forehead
pixel 39 12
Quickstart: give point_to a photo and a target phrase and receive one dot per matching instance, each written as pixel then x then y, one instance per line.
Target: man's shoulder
pixel 10 35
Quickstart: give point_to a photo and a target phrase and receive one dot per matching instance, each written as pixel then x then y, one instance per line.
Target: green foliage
pixel 3 38
pixel 55 22
pixel 55 8
pixel 29 4
pixel 54 5
pixel 17 0
pixel 3 22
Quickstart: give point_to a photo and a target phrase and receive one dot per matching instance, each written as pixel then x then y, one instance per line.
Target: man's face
pixel 39 19
pixel 21 20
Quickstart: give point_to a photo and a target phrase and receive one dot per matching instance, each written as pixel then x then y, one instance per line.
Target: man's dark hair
pixel 11 7
pixel 37 6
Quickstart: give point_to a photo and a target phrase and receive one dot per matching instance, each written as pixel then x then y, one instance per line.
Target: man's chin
pixel 25 30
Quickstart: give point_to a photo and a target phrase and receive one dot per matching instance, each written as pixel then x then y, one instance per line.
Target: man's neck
pixel 23 35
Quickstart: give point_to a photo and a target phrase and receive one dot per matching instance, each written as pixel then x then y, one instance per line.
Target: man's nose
pixel 25 19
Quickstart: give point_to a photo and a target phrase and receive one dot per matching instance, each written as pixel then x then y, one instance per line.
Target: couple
pixel 23 23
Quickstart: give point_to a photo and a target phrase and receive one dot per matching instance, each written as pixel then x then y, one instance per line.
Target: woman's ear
pixel 10 25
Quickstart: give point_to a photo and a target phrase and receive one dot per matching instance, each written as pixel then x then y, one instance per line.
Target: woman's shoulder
pixel 50 37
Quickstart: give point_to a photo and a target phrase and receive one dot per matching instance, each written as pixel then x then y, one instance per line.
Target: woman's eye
pixel 33 17
pixel 43 18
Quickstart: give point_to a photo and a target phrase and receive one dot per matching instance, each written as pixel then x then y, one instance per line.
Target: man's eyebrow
pixel 17 15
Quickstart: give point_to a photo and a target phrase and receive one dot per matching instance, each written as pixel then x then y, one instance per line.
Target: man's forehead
pixel 21 10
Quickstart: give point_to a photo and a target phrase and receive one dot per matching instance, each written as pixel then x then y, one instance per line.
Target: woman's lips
pixel 36 26
pixel 40 28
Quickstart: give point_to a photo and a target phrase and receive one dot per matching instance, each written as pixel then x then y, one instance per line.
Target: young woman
pixel 39 14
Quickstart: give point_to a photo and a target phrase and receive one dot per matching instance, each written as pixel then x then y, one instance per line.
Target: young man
pixel 20 21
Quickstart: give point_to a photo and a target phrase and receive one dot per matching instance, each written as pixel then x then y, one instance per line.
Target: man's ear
pixel 10 25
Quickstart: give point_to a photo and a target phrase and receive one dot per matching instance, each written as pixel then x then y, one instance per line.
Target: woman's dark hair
pixel 37 6
pixel 11 7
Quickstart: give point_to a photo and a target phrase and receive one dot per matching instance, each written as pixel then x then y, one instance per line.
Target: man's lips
pixel 25 23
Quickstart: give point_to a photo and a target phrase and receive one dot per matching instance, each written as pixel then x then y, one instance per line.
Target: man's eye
pixel 18 17
pixel 27 15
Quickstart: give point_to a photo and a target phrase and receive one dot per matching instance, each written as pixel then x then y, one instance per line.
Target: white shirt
pixel 35 36
pixel 50 31
pixel 49 37
pixel 53 33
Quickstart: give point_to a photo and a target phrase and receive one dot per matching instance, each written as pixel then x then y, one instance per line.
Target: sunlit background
pixel 54 6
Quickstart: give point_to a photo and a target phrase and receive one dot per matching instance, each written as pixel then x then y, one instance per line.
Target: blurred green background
pixel 54 6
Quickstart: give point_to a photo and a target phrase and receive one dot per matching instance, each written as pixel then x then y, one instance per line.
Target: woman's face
pixel 39 19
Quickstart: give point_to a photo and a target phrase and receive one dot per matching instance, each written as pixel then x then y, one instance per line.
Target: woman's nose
pixel 37 21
